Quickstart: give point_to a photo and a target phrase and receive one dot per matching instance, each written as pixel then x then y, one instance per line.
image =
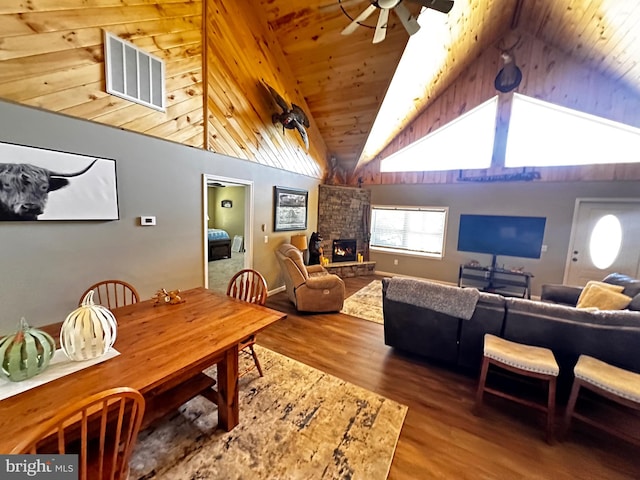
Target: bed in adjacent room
pixel 219 244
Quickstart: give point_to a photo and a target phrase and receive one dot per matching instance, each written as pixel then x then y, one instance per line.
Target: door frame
pixel 574 221
pixel 248 219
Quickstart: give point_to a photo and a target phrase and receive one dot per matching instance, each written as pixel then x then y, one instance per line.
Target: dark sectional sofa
pixel 409 325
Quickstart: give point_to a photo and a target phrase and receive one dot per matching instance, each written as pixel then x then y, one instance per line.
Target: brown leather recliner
pixel 312 288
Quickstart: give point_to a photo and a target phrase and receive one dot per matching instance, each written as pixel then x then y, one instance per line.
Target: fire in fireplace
pixel 344 250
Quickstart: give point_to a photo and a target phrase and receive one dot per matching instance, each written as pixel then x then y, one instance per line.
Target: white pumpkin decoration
pixel 89 331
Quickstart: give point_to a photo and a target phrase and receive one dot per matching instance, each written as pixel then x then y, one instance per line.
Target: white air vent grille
pixel 133 74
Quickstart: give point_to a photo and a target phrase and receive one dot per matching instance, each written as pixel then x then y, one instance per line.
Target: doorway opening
pixel 227 229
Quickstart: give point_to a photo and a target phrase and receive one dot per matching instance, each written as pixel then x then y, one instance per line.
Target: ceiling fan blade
pixel 381 27
pixel 360 18
pixel 409 22
pixel 443 6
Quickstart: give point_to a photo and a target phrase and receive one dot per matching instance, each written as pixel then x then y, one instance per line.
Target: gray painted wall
pixel 555 201
pixel 45 266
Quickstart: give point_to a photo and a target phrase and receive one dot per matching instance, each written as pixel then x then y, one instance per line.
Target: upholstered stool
pixel 616 384
pixel 526 360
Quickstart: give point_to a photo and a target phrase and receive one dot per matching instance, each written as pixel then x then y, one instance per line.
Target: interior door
pixel 604 240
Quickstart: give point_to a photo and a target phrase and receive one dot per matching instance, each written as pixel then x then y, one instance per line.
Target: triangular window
pixel 542 134
pixel 464 143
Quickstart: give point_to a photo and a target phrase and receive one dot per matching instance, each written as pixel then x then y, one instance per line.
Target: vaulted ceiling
pixel 344 78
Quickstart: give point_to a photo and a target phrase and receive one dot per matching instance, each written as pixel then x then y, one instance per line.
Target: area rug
pixel 366 303
pixel 296 422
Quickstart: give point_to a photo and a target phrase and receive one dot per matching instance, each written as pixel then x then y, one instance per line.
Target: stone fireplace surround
pixel 341 214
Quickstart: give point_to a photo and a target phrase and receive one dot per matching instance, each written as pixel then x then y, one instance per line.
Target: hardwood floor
pixel 441 438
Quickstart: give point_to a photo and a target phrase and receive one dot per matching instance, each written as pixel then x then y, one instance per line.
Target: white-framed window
pixel 416 231
pixel 133 74
pixel 464 143
pixel 542 134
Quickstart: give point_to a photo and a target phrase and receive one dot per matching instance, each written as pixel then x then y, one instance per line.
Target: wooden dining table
pixel 163 351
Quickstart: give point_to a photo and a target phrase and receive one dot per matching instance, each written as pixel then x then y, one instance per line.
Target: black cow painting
pixel 40 184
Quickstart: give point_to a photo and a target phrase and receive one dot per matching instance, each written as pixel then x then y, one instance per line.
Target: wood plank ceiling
pixel 344 78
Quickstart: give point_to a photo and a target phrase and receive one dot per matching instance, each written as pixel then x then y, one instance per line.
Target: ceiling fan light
pixel 388 3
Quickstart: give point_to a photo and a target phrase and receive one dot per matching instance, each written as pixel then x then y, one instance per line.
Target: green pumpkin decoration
pixel 26 353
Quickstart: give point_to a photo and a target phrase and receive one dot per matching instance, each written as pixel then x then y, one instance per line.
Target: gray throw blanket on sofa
pixel 455 301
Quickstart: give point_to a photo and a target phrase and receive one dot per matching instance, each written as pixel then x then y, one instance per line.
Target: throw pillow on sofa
pixel 609 286
pixel 631 285
pixel 603 298
pixel 635 303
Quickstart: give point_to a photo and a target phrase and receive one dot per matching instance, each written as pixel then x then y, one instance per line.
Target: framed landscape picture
pixel 289 209
pixel 40 184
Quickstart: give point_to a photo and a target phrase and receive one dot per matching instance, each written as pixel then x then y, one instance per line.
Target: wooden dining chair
pixel 113 293
pixel 250 286
pixel 102 429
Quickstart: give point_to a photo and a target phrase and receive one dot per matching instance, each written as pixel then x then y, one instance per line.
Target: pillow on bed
pixel 603 298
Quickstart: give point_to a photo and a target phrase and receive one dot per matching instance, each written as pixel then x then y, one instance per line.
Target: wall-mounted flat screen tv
pixel 501 235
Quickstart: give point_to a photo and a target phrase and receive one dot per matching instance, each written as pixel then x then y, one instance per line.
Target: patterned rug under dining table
pixel 163 351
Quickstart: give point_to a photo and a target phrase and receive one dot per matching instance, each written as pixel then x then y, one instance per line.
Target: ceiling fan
pixel 409 22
